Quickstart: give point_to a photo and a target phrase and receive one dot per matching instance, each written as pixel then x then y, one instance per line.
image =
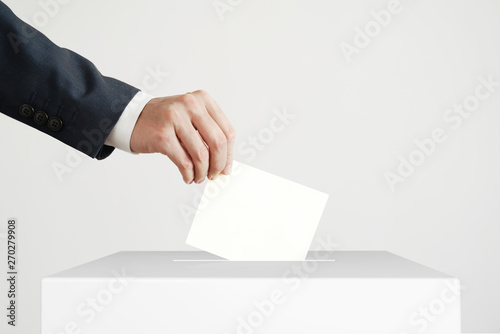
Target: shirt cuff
pixel 122 132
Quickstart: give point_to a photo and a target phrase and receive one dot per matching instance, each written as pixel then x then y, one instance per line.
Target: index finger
pixel 223 122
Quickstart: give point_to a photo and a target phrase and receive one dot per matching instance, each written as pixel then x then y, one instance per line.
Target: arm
pixel 63 95
pixel 56 90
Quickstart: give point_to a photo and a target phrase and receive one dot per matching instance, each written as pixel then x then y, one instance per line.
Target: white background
pixel 352 122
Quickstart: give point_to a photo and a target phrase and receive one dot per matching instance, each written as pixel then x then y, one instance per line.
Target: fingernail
pixel 198 182
pixel 227 170
pixel 213 177
pixel 191 181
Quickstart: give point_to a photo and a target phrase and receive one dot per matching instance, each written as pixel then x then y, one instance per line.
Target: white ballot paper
pixel 253 215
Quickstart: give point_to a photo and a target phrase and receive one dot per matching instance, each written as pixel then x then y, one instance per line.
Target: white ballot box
pixel 192 292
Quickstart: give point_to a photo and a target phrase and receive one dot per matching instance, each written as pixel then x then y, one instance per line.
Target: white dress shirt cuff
pixel 122 132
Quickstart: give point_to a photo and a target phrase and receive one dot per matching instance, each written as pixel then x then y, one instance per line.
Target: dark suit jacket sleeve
pixel 55 90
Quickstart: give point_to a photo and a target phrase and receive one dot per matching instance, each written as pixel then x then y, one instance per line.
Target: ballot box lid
pixel 199 264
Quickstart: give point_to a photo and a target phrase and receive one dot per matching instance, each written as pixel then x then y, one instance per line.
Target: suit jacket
pixel 55 90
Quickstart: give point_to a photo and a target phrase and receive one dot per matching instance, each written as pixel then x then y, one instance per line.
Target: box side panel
pixel 291 305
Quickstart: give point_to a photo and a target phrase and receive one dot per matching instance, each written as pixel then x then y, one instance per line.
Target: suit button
pixel 55 124
pixel 26 111
pixel 40 118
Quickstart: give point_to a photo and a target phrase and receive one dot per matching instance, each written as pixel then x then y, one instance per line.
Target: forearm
pixel 60 84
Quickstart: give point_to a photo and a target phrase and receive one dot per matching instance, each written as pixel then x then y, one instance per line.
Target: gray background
pixel 352 121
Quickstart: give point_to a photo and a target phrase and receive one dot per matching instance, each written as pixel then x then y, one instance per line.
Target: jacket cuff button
pixel 26 111
pixel 55 124
pixel 40 118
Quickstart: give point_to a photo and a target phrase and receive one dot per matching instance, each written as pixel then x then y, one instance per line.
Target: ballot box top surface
pixel 199 264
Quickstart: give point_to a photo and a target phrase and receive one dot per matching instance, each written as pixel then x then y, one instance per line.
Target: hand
pixel 191 130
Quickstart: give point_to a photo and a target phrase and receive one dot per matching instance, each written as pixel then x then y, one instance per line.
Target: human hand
pixel 191 130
